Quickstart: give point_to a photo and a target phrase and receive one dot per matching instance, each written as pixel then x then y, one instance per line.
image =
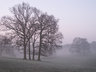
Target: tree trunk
pixel 33 51
pixel 29 51
pixel 24 50
pixel 24 46
pixel 39 53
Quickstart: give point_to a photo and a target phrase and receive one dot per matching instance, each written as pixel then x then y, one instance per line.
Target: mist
pixel 48 36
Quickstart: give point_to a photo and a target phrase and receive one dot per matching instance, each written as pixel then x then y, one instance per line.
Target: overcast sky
pixel 77 18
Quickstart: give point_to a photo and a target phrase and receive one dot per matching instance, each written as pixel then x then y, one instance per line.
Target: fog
pixel 66 59
pixel 62 59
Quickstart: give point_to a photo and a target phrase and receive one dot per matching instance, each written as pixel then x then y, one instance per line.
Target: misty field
pixel 50 64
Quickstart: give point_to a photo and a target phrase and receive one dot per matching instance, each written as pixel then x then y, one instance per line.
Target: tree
pixel 80 46
pixel 48 29
pixel 21 23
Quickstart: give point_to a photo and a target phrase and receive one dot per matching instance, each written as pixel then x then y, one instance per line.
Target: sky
pixel 77 18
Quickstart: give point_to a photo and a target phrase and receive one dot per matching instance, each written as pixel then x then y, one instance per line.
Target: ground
pixel 50 64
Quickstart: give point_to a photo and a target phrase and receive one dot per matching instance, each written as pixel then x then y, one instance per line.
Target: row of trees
pixel 33 29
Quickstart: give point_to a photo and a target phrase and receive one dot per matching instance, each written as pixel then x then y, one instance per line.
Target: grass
pixel 50 64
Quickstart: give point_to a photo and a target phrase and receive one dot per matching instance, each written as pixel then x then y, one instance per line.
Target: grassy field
pixel 49 64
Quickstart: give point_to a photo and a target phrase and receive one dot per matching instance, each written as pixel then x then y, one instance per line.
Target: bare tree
pixel 47 33
pixel 21 23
